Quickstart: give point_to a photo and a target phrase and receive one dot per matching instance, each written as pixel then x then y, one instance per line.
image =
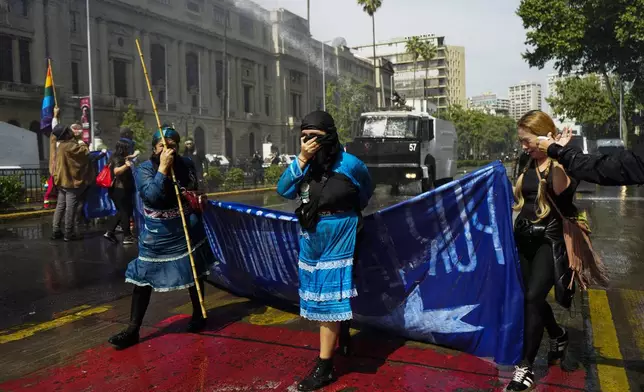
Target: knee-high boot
pixel 140 301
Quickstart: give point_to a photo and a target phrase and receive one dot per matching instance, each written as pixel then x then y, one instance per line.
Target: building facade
pixel 490 103
pixel 272 79
pixel 441 80
pixel 524 97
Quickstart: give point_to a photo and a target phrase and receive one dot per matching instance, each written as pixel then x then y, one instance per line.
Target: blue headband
pixel 168 133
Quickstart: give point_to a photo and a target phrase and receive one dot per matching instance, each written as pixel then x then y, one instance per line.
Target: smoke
pixel 313 53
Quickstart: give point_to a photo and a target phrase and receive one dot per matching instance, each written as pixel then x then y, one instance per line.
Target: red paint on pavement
pixel 243 357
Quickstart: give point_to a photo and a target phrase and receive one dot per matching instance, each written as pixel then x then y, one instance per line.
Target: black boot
pixel 140 302
pixel 344 340
pixel 320 376
pixel 198 322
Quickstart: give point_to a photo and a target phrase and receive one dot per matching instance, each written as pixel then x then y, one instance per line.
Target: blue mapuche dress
pixel 164 262
pixel 326 254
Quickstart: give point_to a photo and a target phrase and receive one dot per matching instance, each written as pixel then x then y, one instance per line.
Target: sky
pixel 490 31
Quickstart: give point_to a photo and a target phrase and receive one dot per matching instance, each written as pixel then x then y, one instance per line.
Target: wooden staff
pixel 53 84
pixel 176 186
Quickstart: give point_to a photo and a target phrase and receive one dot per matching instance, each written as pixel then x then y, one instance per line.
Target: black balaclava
pixel 328 153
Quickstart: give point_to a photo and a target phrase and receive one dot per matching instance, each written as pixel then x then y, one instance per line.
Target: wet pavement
pixel 60 301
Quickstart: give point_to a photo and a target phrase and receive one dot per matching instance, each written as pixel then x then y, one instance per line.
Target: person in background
pixel 163 263
pixel 123 189
pixel 334 187
pixel 198 158
pixel 621 168
pixel 258 169
pixel 71 176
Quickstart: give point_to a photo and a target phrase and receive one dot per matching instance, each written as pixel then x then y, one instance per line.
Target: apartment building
pixel 441 80
pixel 524 97
pixel 490 103
pixel 273 67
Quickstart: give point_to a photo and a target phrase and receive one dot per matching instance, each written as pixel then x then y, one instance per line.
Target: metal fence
pixel 25 188
pixel 22 186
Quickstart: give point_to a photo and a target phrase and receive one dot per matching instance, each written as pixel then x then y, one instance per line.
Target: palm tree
pixel 370 7
pixel 412 47
pixel 427 52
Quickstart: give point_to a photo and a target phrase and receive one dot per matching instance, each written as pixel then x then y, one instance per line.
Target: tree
pixel 346 100
pixel 481 135
pixel 370 7
pixel 583 99
pixel 413 48
pixel 591 36
pixel 142 135
pixel 427 52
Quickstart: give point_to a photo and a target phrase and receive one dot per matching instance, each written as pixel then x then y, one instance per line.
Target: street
pixel 61 301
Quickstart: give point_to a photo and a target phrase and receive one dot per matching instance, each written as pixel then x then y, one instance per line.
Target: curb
pixel 31 214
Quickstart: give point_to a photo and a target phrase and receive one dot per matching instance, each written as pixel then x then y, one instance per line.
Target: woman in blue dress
pixel 334 187
pixel 164 263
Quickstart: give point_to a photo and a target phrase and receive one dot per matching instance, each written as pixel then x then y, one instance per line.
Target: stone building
pixel 274 67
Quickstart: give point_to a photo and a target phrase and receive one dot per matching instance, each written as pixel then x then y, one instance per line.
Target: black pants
pixel 122 199
pixel 537 266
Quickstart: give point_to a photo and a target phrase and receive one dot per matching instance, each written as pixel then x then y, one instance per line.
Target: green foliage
pixel 370 6
pixel 272 174
pixel 604 37
pixel 472 163
pixel 583 99
pixel 11 190
pixel 142 135
pixel 234 179
pixel 481 135
pixel 215 177
pixel 345 101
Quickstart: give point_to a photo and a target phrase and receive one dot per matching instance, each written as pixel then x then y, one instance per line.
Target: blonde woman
pixel 538 233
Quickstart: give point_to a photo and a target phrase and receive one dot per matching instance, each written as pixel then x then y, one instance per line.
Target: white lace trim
pixel 164 289
pixel 332 317
pixel 332 296
pixel 326 265
pixel 166 259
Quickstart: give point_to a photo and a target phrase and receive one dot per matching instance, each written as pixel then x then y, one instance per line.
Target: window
pixel 73 21
pixel 195 101
pixel 266 72
pixel 296 105
pixel 192 71
pixel 192 6
pixel 220 15
pixel 267 34
pixel 25 62
pixel 219 77
pixel 157 57
pixel 248 97
pixel 19 7
pixel 75 78
pixel 246 26
pixel 6 59
pixel 267 105
pixel 120 78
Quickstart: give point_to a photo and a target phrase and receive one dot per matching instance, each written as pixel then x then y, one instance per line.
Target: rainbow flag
pixel 47 111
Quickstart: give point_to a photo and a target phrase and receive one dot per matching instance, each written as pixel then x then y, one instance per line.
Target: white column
pixel 182 73
pixel 204 72
pixel 38 56
pixel 104 60
pixel 175 82
pixel 138 77
pixel 16 59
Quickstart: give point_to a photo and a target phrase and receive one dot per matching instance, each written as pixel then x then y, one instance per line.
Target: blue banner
pixel 441 267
